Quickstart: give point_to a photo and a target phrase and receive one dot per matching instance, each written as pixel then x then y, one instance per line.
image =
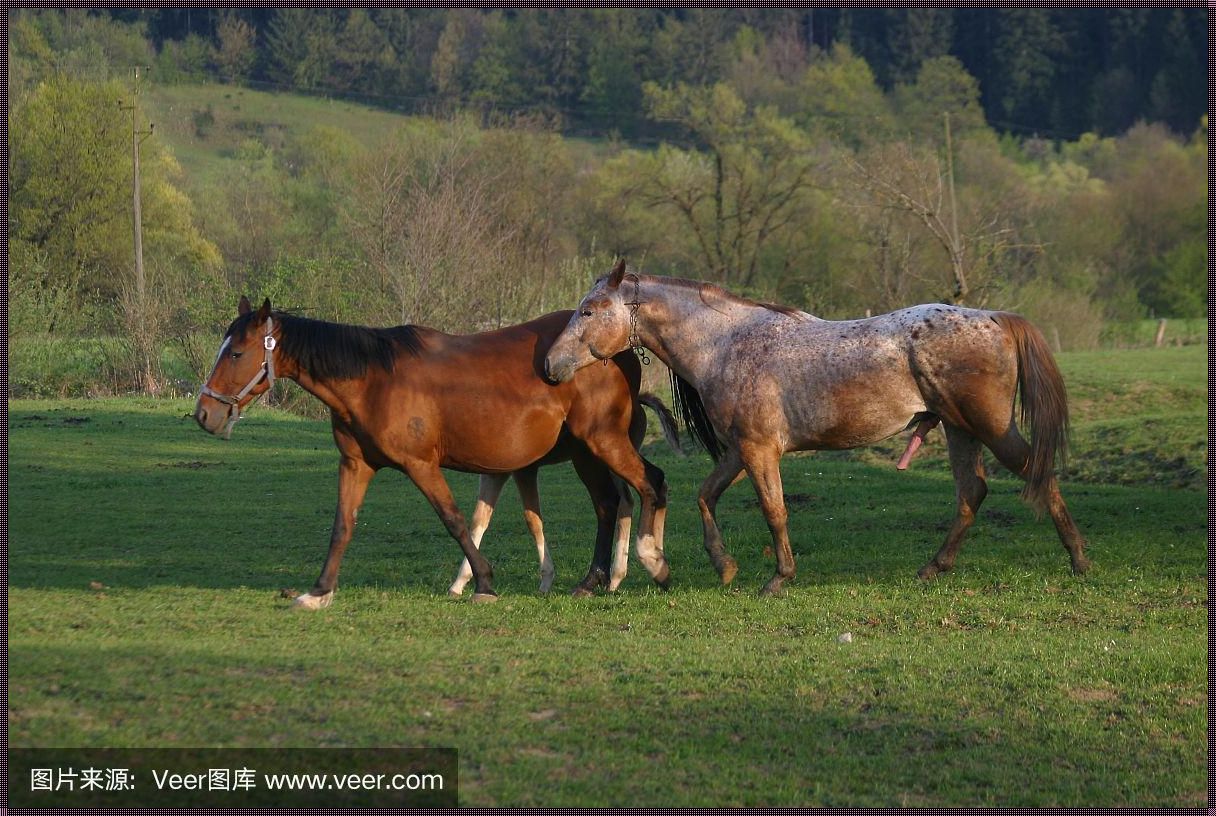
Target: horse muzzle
pixel 558 370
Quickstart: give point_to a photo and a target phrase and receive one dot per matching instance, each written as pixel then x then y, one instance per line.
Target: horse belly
pixel 854 413
pixel 500 441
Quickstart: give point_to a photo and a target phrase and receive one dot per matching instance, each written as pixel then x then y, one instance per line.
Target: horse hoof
pixel 1080 566
pixel 582 592
pixel 728 571
pixel 310 601
pixel 484 597
pixel 773 589
pixel 929 571
pixel 663 579
pixel 455 593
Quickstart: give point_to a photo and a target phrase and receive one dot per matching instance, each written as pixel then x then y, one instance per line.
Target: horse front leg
pixel 354 474
pixel 429 479
pixel 763 463
pixel 604 497
pixel 489 488
pixel 727 471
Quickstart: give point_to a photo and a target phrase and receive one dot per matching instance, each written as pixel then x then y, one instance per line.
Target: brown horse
pixel 758 380
pixel 418 400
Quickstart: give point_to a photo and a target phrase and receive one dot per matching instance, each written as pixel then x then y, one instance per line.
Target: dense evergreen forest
pixel 1052 161
pixel 1053 72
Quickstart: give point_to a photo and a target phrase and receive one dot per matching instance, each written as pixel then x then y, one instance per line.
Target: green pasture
pixel 147 562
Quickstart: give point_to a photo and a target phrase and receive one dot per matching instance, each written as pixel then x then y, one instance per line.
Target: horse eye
pixel 585 313
pixel 236 355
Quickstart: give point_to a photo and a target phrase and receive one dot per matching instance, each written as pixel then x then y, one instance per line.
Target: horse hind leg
pixel 1014 453
pixel 725 473
pixel 529 495
pixel 967 462
pixel 488 490
pixel 620 547
pixel 763 464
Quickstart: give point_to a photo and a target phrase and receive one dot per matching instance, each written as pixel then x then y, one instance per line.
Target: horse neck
pixel 340 395
pixel 682 330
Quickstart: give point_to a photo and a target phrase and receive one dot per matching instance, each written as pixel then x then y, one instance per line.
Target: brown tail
pixel 667 420
pixel 1044 406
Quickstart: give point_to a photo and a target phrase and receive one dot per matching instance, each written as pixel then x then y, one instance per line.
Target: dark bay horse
pixel 418 400
pixel 757 380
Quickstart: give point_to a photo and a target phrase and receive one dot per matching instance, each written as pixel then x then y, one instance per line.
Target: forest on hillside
pixel 1054 72
pixel 1052 161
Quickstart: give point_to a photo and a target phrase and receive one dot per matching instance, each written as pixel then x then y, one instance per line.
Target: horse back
pixel 482 401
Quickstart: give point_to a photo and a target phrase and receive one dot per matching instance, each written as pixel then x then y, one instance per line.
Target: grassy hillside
pixel 205 124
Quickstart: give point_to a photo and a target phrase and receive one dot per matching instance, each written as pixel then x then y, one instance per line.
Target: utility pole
pixel 143 341
pixel 960 282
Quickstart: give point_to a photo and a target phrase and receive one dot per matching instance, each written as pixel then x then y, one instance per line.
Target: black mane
pixel 334 351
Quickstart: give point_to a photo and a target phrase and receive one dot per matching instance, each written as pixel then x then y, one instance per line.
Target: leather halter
pixel 264 372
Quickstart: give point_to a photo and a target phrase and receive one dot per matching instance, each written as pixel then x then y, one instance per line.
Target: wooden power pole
pixel 143 341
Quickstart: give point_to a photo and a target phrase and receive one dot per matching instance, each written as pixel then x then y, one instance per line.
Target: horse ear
pixel 618 273
pixel 243 308
pixel 264 312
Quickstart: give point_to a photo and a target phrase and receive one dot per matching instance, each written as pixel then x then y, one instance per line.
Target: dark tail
pixel 1044 405
pixel 689 405
pixel 671 431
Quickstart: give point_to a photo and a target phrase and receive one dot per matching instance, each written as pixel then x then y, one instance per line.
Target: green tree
pixel 1027 51
pixel 363 56
pixel 614 87
pixel 739 195
pixel 838 96
pixel 236 48
pixel 70 177
pixel 302 46
pixel 915 36
pixel 942 86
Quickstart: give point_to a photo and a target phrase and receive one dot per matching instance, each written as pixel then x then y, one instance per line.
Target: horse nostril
pixel 200 416
pixel 548 375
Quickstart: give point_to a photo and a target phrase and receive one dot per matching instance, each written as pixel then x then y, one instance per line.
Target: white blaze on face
pixel 219 355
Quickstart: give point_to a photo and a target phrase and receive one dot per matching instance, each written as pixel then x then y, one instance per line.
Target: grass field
pixel 146 561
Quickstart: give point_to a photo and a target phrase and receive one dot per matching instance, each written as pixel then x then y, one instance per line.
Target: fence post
pixel 1160 333
pixel 1055 339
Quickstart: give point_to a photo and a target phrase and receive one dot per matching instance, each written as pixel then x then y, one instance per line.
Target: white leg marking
pixel 620 548
pixel 489 487
pixel 311 602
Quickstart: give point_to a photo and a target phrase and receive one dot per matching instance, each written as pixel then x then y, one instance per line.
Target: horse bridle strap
pixel 265 372
pixel 635 342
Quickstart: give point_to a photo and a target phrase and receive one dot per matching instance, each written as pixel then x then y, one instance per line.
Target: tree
pixel 980 240
pixel 741 192
pixel 70 177
pixel 915 36
pixel 838 95
pixel 613 89
pixel 942 86
pixel 235 51
pixel 363 56
pixel 301 46
pixel 1027 52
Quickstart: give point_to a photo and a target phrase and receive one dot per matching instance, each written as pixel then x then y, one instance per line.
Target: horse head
pixel 243 370
pixel 598 329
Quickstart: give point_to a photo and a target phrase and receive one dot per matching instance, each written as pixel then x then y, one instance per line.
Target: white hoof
pixel 309 601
